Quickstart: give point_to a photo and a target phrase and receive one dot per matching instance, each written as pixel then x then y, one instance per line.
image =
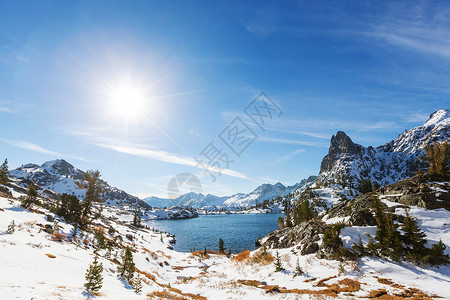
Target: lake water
pixel 238 231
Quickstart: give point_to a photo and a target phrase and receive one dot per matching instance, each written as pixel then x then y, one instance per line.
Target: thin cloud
pixel 289 141
pixel 6 110
pixel 36 148
pixel 289 155
pixel 164 156
pixel 10 107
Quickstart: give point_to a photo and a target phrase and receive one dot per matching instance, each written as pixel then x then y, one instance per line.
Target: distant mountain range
pixel 261 193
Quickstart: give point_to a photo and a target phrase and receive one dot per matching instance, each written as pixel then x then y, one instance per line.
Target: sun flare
pixel 127 100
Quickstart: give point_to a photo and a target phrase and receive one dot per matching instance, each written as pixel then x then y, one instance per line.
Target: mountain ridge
pixel 385 164
pixel 60 176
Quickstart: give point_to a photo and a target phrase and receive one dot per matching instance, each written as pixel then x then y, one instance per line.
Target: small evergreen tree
pixel 126 269
pixel 100 238
pixel 4 173
pixel 277 263
pixel 11 228
pixel 137 284
pixel 413 238
pixel 204 252
pixel 365 186
pixel 288 219
pixel 31 198
pixel 389 241
pixel 94 278
pixel 437 256
pixel 136 218
pixel 221 246
pixel 69 207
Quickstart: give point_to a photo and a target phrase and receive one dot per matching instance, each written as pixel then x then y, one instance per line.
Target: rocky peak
pixel 437 117
pixel 62 167
pixel 343 143
pixel 340 144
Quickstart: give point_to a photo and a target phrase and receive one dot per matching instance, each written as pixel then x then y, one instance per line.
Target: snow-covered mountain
pixel 387 163
pixel 197 200
pixel 60 176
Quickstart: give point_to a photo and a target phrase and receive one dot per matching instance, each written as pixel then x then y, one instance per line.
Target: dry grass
pixel 262 257
pixel 243 256
pixel 165 295
pixel 58 237
pixel 322 283
pixel 343 286
pixel 50 255
pixel 349 285
pixel 387 281
pixel 278 289
pixel 174 294
pixel 152 254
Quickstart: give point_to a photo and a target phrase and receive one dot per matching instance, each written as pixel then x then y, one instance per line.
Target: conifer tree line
pixel 392 240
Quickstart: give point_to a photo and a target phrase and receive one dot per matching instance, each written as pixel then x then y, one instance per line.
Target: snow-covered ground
pixel 29 270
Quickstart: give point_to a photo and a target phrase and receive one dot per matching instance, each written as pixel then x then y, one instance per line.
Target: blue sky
pixel 369 68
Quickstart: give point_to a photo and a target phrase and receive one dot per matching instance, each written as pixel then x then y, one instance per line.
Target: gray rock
pixel 305 233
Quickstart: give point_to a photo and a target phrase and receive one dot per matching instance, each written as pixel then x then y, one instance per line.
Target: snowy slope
pixel 384 164
pixel 37 267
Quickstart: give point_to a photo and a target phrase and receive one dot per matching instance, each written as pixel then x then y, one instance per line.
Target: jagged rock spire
pixel 339 144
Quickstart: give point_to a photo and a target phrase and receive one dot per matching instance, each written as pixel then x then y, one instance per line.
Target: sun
pixel 127 100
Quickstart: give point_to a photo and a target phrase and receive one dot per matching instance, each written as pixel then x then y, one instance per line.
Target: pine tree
pixel 277 263
pixel 108 252
pixel 31 198
pixel 288 219
pixel 69 207
pixel 389 241
pixel 437 156
pixel 413 238
pixel 437 256
pixel 137 284
pixel 94 194
pixel 204 252
pixel 94 278
pixel 365 186
pixel 127 267
pixel 136 218
pixel 100 238
pixel 4 173
pixel 221 246
pixel 11 228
